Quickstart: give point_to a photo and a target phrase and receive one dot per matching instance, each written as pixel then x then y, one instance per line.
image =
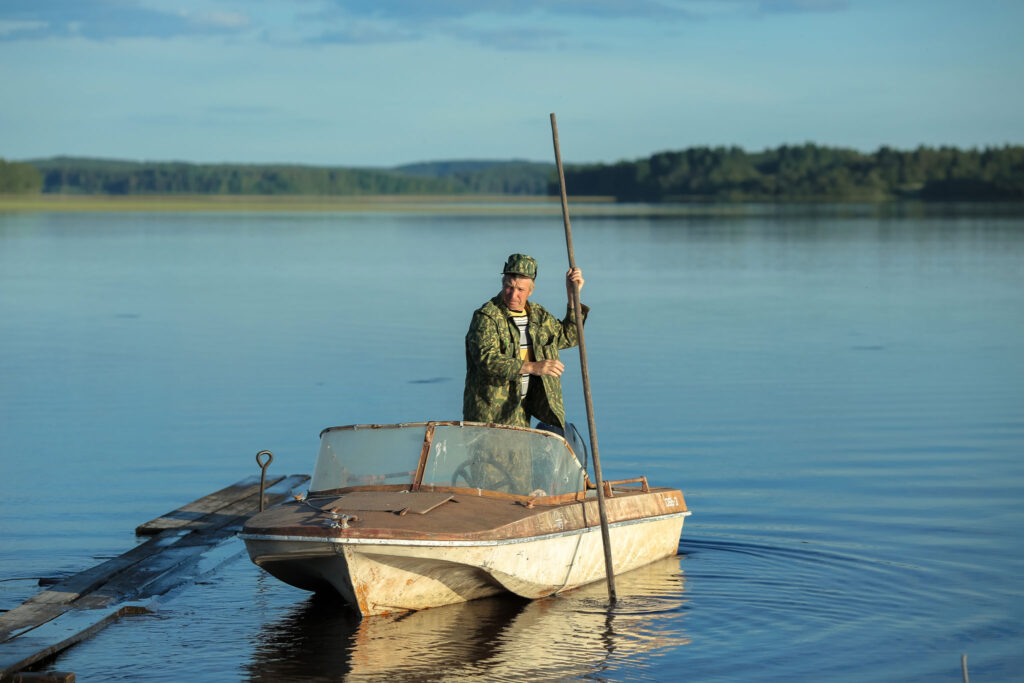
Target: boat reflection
pixel 568 636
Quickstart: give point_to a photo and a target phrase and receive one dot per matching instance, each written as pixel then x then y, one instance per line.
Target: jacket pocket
pixel 546 352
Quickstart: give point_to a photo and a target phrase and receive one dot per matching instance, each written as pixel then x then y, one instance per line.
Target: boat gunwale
pixel 421 542
pixel 528 501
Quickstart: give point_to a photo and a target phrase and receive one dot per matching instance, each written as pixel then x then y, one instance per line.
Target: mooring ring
pixel 270 459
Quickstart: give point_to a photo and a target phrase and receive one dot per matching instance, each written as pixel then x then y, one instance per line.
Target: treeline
pixel 490 177
pixel 722 174
pixel 807 173
pixel 19 178
pixel 68 175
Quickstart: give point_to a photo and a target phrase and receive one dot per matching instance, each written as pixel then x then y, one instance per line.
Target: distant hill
pixel 92 163
pixel 83 175
pixel 74 175
pixel 447 168
pixel 721 174
pixel 489 177
pixel 807 173
pixel 19 178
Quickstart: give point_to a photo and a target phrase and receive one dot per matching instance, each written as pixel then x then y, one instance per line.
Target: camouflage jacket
pixel 493 365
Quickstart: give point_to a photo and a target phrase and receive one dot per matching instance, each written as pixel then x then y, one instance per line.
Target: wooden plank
pixel 191 513
pixel 201 566
pixel 26 617
pixel 132 572
pixel 73 587
pixel 160 572
pixel 156 575
pixel 44 677
pixel 58 634
pixel 56 600
pixel 234 515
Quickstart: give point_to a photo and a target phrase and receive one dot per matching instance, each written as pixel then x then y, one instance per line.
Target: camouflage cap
pixel 521 265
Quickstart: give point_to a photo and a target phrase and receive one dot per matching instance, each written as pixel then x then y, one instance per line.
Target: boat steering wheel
pixel 463 472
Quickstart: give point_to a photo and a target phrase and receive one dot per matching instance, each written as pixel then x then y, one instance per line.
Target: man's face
pixel 515 291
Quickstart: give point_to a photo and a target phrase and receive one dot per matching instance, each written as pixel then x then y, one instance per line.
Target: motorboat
pixel 417 515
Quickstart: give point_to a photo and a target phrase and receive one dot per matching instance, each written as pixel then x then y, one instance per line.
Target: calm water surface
pixel 839 393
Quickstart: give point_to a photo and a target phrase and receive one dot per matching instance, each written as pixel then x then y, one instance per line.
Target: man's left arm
pixel 568 335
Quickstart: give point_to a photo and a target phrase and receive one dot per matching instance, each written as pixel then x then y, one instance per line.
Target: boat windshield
pixel 520 462
pixel 365 456
pixel 515 461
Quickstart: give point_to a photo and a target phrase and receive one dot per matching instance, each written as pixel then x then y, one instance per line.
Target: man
pixel 512 366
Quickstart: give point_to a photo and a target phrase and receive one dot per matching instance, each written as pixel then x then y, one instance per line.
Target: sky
pixel 377 83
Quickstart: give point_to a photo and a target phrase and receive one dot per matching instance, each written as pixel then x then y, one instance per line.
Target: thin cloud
pixel 102 20
pixel 23 30
pixel 419 10
pixel 795 6
pixel 363 33
pixel 239 110
pixel 529 39
pixel 477 21
pixel 354 22
pixel 222 20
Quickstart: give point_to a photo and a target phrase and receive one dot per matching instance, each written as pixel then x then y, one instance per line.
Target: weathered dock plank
pixel 79 605
pixel 234 512
pixel 114 579
pixel 201 507
pixel 59 634
pixel 73 587
pixel 45 677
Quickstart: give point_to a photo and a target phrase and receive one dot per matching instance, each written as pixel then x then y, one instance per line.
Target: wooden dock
pixel 183 544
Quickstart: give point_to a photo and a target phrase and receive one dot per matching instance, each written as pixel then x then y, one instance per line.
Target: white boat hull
pixel 385 575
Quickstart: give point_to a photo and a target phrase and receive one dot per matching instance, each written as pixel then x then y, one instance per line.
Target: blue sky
pixel 385 82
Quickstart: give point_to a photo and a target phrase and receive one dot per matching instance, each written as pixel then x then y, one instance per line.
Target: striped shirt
pixel 525 348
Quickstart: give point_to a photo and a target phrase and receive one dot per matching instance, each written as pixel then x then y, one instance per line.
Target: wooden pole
pixel 578 309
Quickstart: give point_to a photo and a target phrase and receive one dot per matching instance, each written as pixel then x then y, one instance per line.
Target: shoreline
pixel 490 205
pixel 454 204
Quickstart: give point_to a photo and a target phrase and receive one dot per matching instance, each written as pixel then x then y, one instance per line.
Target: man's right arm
pixel 553 368
pixel 483 346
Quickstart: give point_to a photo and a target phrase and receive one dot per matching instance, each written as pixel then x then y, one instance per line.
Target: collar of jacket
pixel 503 310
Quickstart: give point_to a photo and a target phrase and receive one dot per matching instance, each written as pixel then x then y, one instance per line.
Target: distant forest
pixel 722 174
pixel 69 175
pixel 807 173
pixel 18 178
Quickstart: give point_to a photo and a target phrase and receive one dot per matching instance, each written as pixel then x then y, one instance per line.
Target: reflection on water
pixel 573 635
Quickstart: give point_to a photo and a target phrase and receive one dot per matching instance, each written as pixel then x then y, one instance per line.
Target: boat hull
pixel 381 575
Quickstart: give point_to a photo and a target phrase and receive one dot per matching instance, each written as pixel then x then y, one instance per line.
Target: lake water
pixel 839 391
